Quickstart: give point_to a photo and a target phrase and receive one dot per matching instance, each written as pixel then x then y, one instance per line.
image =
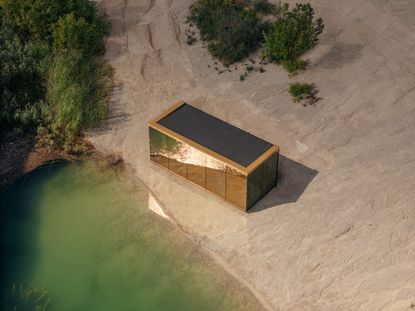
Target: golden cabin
pixel 217 156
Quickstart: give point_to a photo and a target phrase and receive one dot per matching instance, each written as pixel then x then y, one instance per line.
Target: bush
pixel 34 19
pixel 301 91
pixel 71 32
pixel 294 66
pixel 232 29
pixel 31 19
pixel 58 93
pixel 294 33
pixel 22 66
pixel 265 7
pixel 72 101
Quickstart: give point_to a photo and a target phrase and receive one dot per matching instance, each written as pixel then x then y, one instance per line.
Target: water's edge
pixel 163 211
pixel 155 205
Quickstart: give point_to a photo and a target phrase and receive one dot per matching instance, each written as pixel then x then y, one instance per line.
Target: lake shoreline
pixel 134 177
pixel 20 155
pixel 73 211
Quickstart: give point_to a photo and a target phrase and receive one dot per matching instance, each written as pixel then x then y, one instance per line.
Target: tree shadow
pixel 116 113
pixel 293 179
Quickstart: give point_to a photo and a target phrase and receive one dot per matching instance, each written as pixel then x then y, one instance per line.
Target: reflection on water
pixel 90 240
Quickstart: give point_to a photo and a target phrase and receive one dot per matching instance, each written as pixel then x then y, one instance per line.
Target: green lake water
pixel 85 237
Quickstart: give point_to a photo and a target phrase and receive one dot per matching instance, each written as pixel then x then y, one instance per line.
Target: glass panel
pixel 255 186
pixel 236 187
pixel 176 154
pixel 158 147
pixel 215 176
pixel 270 173
pixel 196 162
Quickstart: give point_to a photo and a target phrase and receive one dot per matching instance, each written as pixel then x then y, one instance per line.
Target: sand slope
pixel 339 231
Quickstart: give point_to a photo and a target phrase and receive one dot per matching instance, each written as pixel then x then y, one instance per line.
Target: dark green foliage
pixel 31 19
pixel 34 19
pixel 50 79
pixel 292 34
pixel 21 85
pixel 265 7
pixel 300 91
pixel 71 32
pixel 231 28
pixel 72 101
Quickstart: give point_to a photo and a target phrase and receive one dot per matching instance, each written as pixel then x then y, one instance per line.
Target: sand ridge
pixel 337 233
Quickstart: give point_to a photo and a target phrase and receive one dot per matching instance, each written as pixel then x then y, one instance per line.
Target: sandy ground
pixel 339 231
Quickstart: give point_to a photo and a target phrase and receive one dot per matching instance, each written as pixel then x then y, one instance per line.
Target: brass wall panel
pixel 176 154
pixel 215 176
pixel 158 147
pixel 236 187
pixel 196 167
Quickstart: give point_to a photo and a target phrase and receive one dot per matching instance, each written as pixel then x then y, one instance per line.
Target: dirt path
pixel 338 233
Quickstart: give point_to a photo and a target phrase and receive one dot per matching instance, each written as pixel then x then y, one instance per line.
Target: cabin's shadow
pixel 293 179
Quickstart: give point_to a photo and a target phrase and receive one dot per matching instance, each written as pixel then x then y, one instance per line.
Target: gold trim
pixel 242 169
pixel 262 158
pixel 199 186
pixel 205 150
pixel 172 108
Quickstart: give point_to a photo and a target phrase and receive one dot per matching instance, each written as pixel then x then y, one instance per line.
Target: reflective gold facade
pixel 237 186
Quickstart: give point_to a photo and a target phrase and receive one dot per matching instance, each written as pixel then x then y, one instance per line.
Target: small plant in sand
pixel 304 93
pixel 293 33
pixel 295 66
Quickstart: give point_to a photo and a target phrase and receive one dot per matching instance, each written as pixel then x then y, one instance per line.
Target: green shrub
pixel 300 91
pixel 34 19
pixel 71 32
pixel 58 93
pixel 22 66
pixel 73 100
pixel 231 28
pixel 294 33
pixel 294 66
pixel 31 19
pixel 265 7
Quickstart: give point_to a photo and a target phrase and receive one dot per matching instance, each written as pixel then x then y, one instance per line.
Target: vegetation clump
pixel 304 92
pixel 291 35
pixel 51 80
pixel 232 29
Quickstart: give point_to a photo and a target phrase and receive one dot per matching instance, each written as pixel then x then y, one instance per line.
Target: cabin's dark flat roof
pixel 215 134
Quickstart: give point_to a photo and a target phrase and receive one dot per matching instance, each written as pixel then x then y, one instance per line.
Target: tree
pixel 71 32
pixel 294 33
pixel 231 28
